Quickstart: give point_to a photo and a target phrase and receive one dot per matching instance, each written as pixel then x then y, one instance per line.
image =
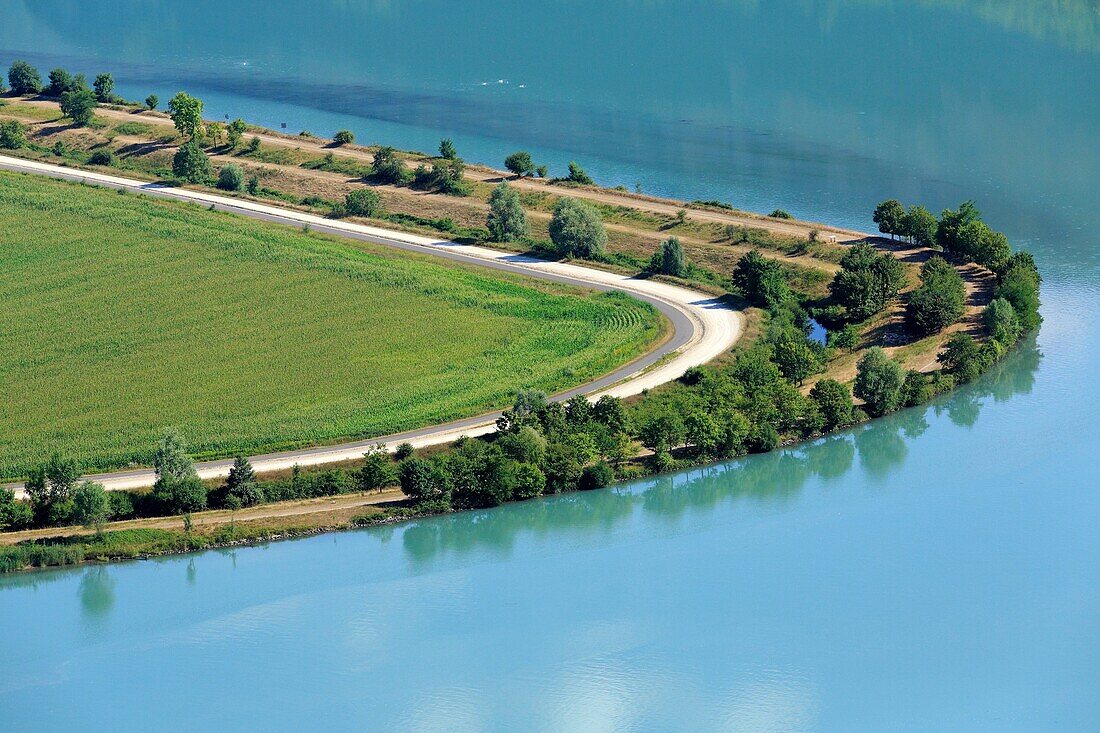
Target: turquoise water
pixel 937 570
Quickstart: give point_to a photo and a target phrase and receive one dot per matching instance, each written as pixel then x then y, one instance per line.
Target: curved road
pixel 703 326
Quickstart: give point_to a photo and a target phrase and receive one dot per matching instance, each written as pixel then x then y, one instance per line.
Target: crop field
pixel 122 315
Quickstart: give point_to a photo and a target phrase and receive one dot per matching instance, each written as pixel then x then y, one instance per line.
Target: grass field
pixel 122 315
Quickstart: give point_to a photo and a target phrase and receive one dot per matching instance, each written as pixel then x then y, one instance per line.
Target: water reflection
pixel 97 593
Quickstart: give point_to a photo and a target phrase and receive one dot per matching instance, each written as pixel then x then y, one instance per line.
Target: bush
pixel 447 149
pixel 761 280
pixel 780 214
pixel 254 144
pixel 576 230
pixel 845 338
pixel 596 476
pixel 530 481
pixel 79 106
pixel 344 137
pixel 507 220
pixel 669 258
pixel 578 175
pixel 386 167
pixel 253 185
pixel 13 135
pixel 363 202
pixel 878 381
pixel 939 301
pixel 191 164
pixel 152 101
pixel 520 163
pixel 24 79
pixel 231 177
pixel 542 171
pixel 403 451
pixel 103 156
pixel 377 471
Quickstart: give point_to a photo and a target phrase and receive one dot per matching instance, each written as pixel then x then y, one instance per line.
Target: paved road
pixel 703 326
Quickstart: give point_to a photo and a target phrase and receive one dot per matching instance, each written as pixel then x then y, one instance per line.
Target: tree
pixel 191 164
pixel 1001 322
pixel 241 483
pixel 14 515
pixel 152 101
pixel 878 381
pixel 91 507
pixel 420 479
pixel 386 167
pixel 962 357
pixel 447 149
pixel 79 106
pixel 577 175
pixel 596 476
pixel 13 135
pixel 795 359
pixel 920 226
pixel 845 338
pixel 890 217
pixel 444 176
pixel 951 223
pixel 530 481
pixel 867 281
pixel 186 113
pixel 363 202
pixel 576 230
pixel 1020 287
pixel 104 87
pixel 24 79
pixel 662 432
pixel 253 185
pixel 507 221
pixel 215 131
pixel 976 242
pixel 50 489
pixel 780 214
pixel 234 131
pixel 835 402
pixel 520 163
pixel 230 177
pixel 62 81
pixel 377 471
pixel 669 258
pixel 760 279
pixel 177 487
pixel 344 137
pixel 939 301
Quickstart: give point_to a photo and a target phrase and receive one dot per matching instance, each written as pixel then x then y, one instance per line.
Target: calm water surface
pixel 937 570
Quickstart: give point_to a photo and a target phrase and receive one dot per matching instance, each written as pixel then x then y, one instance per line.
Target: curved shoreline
pixel 703 326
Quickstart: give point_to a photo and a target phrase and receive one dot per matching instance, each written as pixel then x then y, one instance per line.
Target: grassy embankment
pixel 126 314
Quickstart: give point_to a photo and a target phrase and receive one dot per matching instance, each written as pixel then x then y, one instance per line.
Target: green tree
pixel 79 106
pixel 241 483
pixel 344 137
pixel 916 389
pixel 24 79
pixel 760 279
pixel 186 113
pixel 795 359
pixel 835 402
pixel 14 515
pixel 191 164
pixel 152 101
pixel 867 281
pixel 669 258
pixel 13 135
pixel 530 481
pixel 447 149
pixel 780 214
pixel 49 489
pixel 939 301
pixel 231 177
pixel 507 221
pixel 387 167
pixel 177 487
pixel 878 381
pixel 845 338
pixel 920 226
pixel 91 507
pixel 520 163
pixel 578 175
pixel 576 230
pixel 104 87
pixel 962 357
pixel 951 223
pixel 596 476
pixel 976 242
pixel 662 432
pixel 526 445
pixel 445 176
pixel 1001 322
pixel 421 479
pixel 1020 287
pixel 377 471
pixel 890 217
pixel 363 202
pixel 234 132
pixel 62 81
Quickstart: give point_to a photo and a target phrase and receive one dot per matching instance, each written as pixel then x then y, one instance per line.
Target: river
pixel 935 570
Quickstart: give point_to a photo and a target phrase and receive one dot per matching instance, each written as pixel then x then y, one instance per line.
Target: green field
pixel 122 315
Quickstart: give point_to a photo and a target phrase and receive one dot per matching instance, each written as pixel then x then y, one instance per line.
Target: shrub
pixel 240 484
pixel 403 451
pixel 542 171
pixel 669 258
pixel 79 106
pixel 14 515
pixel 962 357
pixel 578 175
pixel 576 230
pixel 520 163
pixel 761 280
pixel 231 177
pixel 254 144
pixel 24 79
pixel 447 149
pixel 13 135
pixel 939 301
pixel 377 471
pixel 530 481
pixel 878 381
pixel 103 156
pixel 596 476
pixel 253 185
pixel 363 202
pixel 780 214
pixel 191 164
pixel 386 167
pixel 507 220
pixel 845 338
pixel 104 87
pixel 344 137
pixel 152 101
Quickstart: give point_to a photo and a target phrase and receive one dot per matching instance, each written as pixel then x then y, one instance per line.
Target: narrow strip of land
pixel 703 327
